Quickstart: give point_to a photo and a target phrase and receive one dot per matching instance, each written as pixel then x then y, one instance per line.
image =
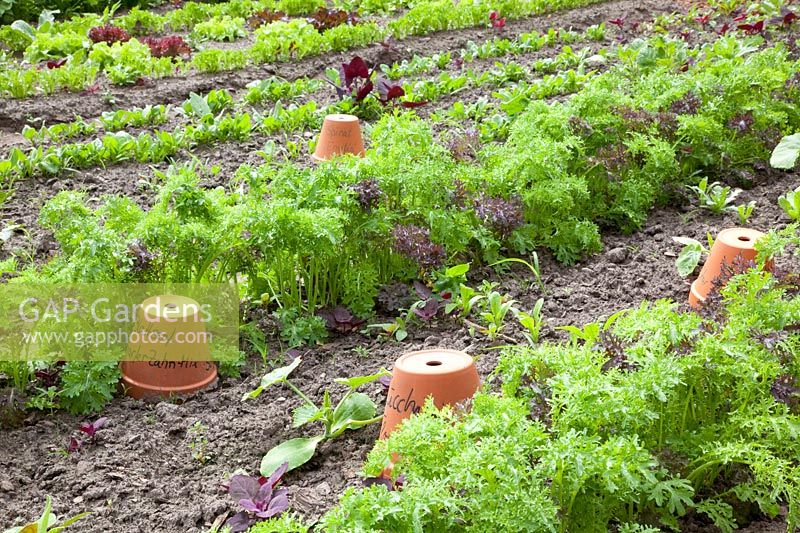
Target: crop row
pixel 128 61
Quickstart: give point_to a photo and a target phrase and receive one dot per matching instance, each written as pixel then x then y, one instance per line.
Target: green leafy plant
pixel 715 197
pixel 690 255
pixel 532 322
pixel 198 442
pixel 640 419
pixel 354 410
pixel 745 211
pixel 224 28
pixel 48 522
pixel 790 203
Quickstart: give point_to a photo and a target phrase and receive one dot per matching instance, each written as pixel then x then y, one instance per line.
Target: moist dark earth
pixel 141 476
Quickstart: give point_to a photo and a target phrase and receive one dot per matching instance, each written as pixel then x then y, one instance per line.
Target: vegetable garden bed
pixel 575 140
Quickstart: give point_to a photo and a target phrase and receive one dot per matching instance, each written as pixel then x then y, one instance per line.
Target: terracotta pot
pixel 168 368
pixel 733 247
pixel 341 134
pixel 449 376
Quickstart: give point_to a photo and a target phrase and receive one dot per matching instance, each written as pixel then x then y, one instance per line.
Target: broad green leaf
pixel 352 412
pixel 280 374
pixel 24 28
pixel 456 271
pixel 689 258
pixel 199 105
pixel 304 414
pixel 357 381
pixel 277 375
pixel 785 154
pixel 295 452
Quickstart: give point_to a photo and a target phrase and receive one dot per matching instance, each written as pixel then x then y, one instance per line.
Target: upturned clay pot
pixel 448 376
pixel 168 368
pixel 733 248
pixel 341 134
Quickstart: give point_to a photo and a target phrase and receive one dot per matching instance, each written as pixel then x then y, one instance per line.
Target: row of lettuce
pixel 280 40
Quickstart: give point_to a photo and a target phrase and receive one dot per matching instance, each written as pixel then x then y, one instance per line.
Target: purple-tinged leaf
pixel 276 476
pixel 385 381
pixel 357 68
pixel 752 29
pixel 244 487
pixel 56 63
pixel 340 319
pixel 239 522
pixel 413 105
pixel 250 505
pixel 279 503
pixel 74 445
pixel 264 495
pixel 423 291
pixel 428 311
pixel 364 91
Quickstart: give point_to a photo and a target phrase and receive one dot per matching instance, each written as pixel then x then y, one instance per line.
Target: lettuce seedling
pixel 56 63
pixel 497 21
pixel 258 497
pixel 266 16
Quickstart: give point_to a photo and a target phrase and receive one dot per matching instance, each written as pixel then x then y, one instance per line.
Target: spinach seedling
pixel 354 410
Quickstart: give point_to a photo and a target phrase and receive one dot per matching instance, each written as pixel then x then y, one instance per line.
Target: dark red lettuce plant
pixel 169 46
pixel 108 34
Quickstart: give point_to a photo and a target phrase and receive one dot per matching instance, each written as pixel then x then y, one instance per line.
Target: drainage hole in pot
pixel 434 363
pixel 170 307
pixel 744 239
